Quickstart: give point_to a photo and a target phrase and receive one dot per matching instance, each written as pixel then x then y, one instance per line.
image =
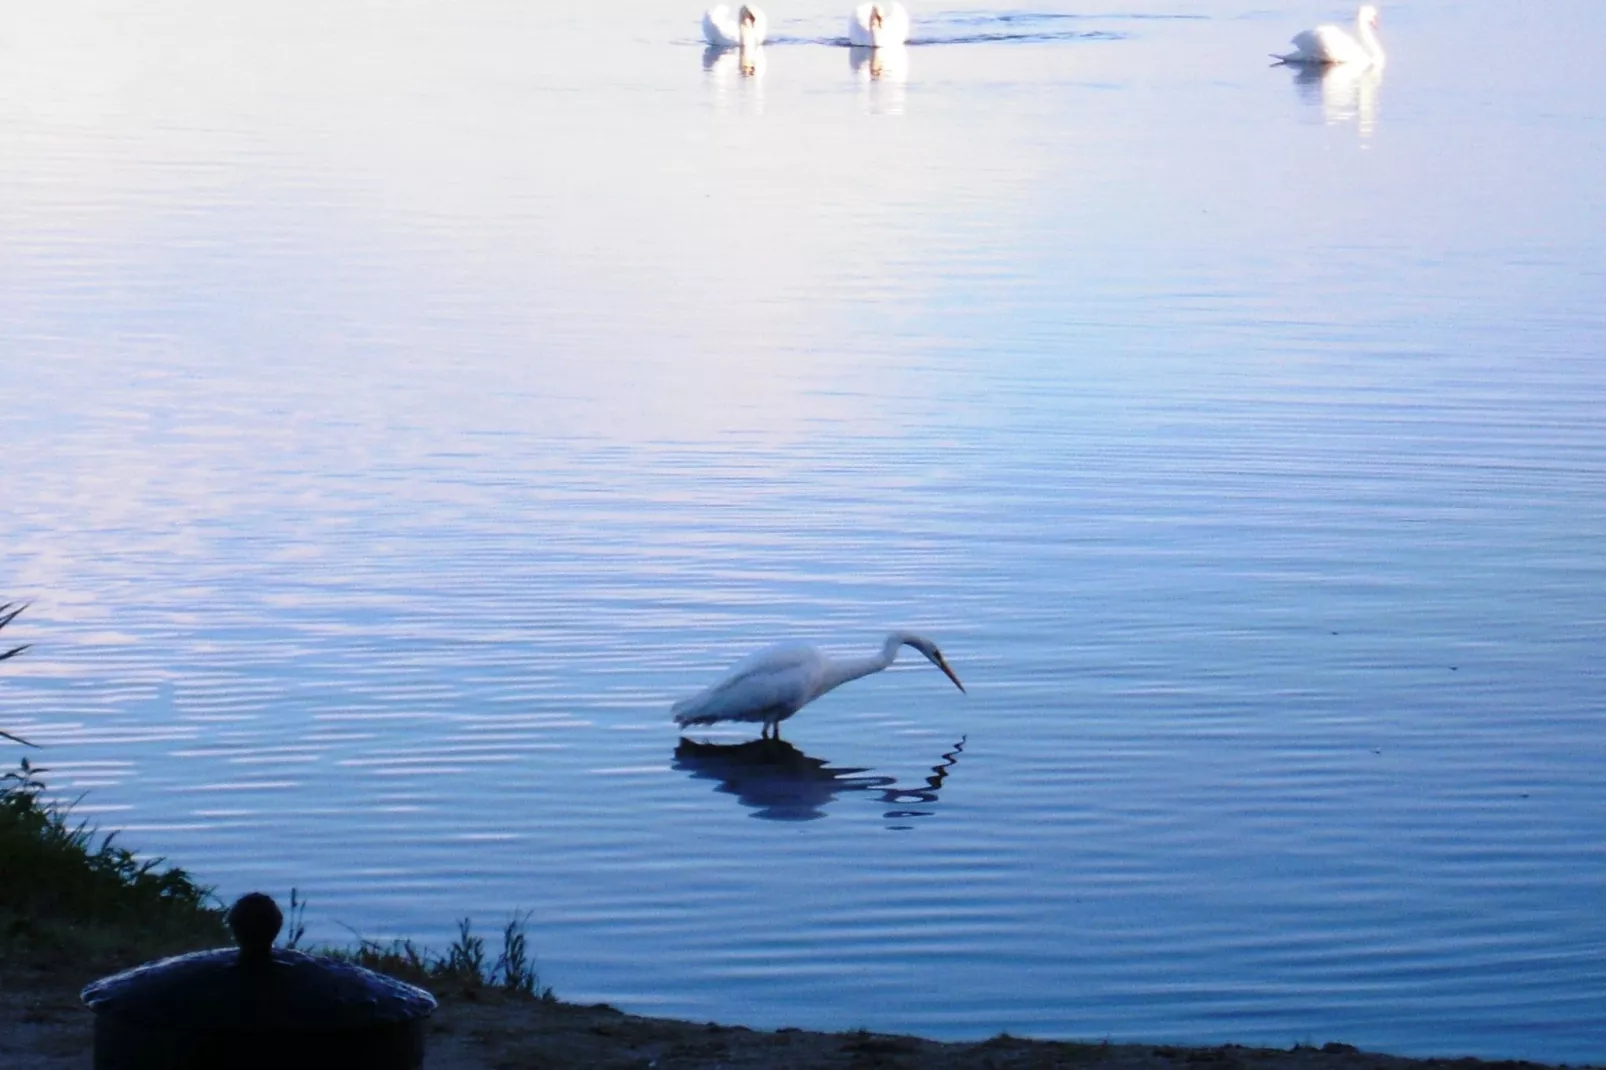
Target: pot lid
pixel 255 986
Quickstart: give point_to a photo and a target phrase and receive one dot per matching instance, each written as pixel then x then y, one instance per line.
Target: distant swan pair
pixel 1328 44
pixel 880 24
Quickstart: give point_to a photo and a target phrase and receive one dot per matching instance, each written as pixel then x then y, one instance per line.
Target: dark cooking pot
pixel 256 1007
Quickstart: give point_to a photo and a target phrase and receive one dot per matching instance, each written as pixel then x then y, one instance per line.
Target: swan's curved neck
pixel 1370 42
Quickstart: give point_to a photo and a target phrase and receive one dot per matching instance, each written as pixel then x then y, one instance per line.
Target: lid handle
pixel 255 920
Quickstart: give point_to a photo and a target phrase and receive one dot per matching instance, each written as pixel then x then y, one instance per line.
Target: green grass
pixel 8 613
pixel 463 970
pixel 70 893
pixel 67 889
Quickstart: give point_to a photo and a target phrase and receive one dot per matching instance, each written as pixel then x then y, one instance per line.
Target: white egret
pixel 1333 44
pixel 771 685
pixel 878 24
pixel 746 30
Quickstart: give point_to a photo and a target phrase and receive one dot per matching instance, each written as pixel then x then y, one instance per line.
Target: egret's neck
pixel 840 672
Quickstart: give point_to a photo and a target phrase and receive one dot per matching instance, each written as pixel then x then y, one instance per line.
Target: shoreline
pixel 44 1026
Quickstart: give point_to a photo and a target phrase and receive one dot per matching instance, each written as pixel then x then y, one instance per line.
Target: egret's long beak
pixel 942 663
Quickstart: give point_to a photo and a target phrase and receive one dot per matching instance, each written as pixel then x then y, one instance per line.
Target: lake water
pixel 404 403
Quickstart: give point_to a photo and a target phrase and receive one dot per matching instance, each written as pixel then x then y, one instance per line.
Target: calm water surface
pixel 405 403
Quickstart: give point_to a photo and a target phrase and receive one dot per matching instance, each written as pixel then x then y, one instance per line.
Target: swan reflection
pixel 884 74
pixel 888 64
pixel 736 75
pixel 1346 92
pixel 778 782
pixel 722 63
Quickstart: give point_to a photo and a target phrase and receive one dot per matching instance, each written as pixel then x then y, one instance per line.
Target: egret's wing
pixel 777 658
pixel 758 697
pixel 770 680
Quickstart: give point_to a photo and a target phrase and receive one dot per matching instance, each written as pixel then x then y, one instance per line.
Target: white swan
pixel 747 29
pixel 1332 44
pixel 878 24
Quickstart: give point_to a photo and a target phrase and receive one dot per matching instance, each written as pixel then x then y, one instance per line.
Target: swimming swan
pixel 746 30
pixel 1332 44
pixel 878 24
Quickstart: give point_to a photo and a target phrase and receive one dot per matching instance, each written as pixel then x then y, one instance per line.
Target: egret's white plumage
pixel 769 686
pixel 745 29
pixel 878 24
pixel 1333 44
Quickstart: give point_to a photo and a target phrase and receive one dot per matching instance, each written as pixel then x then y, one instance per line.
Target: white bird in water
pixel 878 24
pixel 771 685
pixel 1332 44
pixel 745 31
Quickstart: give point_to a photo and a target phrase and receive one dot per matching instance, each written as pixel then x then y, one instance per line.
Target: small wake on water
pixel 1021 36
pixel 998 27
pixel 1004 36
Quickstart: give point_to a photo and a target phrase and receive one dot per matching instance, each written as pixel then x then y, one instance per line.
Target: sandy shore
pixel 44 1027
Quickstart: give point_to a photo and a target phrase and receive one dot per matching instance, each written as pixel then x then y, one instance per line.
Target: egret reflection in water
pixel 781 783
